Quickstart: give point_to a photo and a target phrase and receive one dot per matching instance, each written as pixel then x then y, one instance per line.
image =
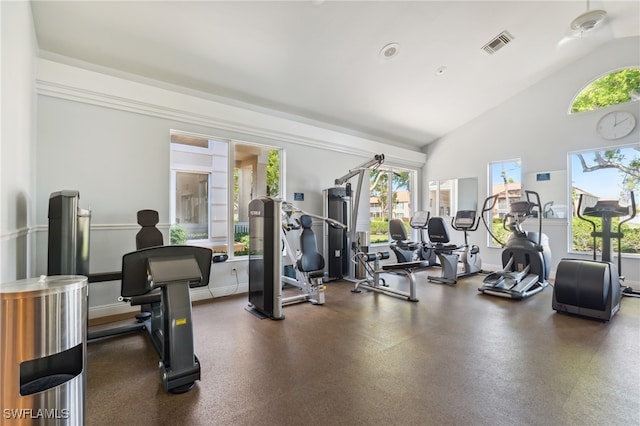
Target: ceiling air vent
pixel 498 42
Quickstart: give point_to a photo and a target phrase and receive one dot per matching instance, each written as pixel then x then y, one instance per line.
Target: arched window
pixel 614 88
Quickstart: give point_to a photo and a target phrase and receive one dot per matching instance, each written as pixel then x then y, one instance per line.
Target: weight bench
pixel 373 281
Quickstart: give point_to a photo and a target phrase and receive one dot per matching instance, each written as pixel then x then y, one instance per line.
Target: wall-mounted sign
pixel 543 176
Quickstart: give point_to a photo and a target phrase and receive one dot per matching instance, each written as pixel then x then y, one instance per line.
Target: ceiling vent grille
pixel 498 42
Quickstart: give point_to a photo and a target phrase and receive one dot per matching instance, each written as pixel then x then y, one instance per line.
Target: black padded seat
pixel 439 236
pixel 415 264
pixel 398 234
pixel 404 249
pixel 309 261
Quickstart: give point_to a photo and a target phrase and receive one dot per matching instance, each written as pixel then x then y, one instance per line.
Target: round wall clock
pixel 616 124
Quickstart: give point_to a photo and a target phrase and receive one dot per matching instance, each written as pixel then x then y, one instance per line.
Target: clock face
pixel 616 124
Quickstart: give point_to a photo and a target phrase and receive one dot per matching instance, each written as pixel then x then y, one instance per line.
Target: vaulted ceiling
pixel 327 61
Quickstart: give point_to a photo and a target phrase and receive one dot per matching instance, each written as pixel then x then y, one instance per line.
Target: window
pixel 505 181
pixel 609 173
pixel 256 173
pixel 192 204
pixel 612 89
pixel 390 198
pixel 441 197
pixel 200 189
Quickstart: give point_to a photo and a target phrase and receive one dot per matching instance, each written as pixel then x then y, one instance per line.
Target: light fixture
pixel 588 21
pixel 389 51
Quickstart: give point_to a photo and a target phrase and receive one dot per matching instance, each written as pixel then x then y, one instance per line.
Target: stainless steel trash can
pixel 43 329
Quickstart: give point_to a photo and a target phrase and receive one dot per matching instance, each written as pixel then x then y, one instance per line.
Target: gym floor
pixel 456 357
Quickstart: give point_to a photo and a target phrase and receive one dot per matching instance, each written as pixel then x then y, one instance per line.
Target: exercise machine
pixel 374 282
pixel 467 221
pixel 155 277
pixel 149 318
pixel 420 221
pixel 592 288
pixel 68 235
pixel 173 270
pixel 405 250
pixel 452 255
pixel 526 255
pixel 341 204
pixel 270 220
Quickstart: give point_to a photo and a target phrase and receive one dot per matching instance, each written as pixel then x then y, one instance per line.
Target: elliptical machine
pixel 592 288
pixel 526 255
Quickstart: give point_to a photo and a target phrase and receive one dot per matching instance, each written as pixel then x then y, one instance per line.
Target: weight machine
pixel 374 282
pixel 340 204
pixel 269 222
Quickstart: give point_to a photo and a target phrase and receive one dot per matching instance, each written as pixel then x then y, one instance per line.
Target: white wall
pixel 108 138
pixel 17 128
pixel 535 126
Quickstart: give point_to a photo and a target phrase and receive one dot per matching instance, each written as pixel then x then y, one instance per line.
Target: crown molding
pixel 80 85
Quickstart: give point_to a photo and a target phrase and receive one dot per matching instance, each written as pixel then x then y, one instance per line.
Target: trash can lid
pixel 30 287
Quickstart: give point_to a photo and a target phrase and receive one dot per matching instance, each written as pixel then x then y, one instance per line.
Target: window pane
pixel 505 180
pixel 192 209
pixel 379 207
pixel 256 173
pixel 612 89
pixel 610 173
pixel 390 197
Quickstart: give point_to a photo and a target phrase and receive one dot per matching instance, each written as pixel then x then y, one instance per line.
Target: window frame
pixel 391 209
pixel 193 160
pixel 572 202
pixel 491 242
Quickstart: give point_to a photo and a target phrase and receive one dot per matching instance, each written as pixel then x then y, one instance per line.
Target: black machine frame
pixel 593 288
pixel 526 256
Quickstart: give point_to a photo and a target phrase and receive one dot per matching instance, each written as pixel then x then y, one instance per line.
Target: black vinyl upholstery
pixel 149 235
pixel 400 244
pixel 309 259
pixel 438 232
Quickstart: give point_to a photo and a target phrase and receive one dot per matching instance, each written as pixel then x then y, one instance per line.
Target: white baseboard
pixel 201 293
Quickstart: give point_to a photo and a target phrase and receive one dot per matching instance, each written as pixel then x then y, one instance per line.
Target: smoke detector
pixel 588 21
pixel 389 51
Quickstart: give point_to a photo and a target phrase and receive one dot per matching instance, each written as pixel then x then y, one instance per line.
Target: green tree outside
pixel 612 89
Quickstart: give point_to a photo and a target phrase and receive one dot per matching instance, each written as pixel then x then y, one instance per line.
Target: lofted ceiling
pixel 320 61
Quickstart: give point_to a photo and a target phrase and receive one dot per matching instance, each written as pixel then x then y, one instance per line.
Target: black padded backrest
pixel 149 235
pixel 397 230
pixel 309 259
pixel 437 230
